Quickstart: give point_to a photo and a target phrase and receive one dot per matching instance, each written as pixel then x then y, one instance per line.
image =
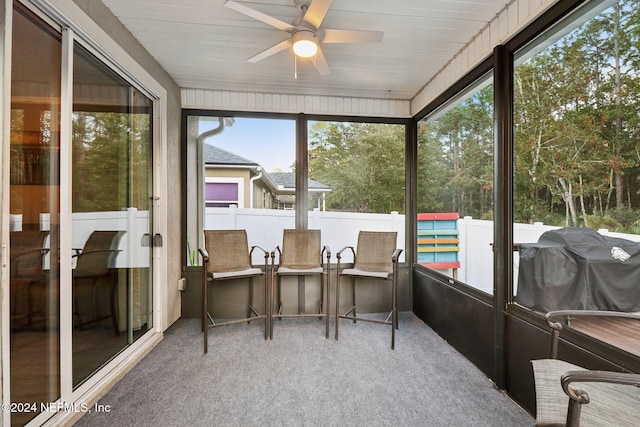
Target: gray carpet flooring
pixel 302 379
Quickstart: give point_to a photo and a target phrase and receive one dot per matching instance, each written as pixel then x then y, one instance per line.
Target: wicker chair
pixel 227 256
pixel 301 255
pixel 376 258
pixel 568 394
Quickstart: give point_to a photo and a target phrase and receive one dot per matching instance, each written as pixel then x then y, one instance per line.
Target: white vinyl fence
pixel 339 229
pixel 134 244
pixel 264 228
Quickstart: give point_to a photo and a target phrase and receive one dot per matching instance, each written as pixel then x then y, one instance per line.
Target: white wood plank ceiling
pixel 204 45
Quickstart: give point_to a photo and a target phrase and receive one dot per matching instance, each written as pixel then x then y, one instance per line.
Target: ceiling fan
pixel 305 34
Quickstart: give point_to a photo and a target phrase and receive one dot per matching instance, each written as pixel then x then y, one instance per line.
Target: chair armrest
pixel 396 255
pixel 581 396
pixel 264 251
pixel 98 251
pixel 578 397
pixel 266 256
pixel 339 253
pixel 278 250
pixel 204 254
pixel 326 249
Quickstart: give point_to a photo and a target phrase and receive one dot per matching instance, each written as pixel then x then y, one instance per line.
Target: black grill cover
pixel 579 269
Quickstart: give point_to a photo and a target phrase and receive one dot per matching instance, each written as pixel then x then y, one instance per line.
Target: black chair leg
pixel 337 314
pixel 354 300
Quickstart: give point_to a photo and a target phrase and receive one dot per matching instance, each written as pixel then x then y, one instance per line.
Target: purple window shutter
pixel 222 191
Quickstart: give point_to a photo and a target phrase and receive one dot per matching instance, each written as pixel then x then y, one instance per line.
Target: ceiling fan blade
pixel 329 35
pixel 316 12
pixel 321 63
pixel 263 17
pixel 271 51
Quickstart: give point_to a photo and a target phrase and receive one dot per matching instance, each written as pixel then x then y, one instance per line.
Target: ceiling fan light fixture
pixel 305 43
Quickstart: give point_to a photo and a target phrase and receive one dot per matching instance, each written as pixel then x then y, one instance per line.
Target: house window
pixel 222 193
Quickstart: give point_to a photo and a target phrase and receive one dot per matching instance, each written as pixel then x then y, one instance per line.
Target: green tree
pixel 111 161
pixel 363 163
pixel 576 107
pixel 455 159
pixel 615 36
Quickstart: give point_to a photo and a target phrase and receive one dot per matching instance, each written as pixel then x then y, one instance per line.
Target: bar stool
pixel 301 255
pixel 227 256
pixel 376 258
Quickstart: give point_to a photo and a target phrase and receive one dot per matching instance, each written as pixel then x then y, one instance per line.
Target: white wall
pixel 294 104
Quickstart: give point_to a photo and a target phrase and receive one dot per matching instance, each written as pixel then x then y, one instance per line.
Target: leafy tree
pixel 363 163
pixel 455 159
pixel 433 171
pixel 576 106
pixel 111 156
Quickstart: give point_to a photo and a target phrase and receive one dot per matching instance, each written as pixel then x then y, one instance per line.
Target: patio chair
pixel 376 258
pixel 26 268
pixel 301 256
pixel 568 394
pixel 95 269
pixel 227 256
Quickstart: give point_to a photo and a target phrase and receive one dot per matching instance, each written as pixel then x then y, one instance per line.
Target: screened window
pixel 455 188
pixel 356 179
pixel 577 181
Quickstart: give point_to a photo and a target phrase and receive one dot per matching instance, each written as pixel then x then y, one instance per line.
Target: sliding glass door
pixel 35 212
pixel 84 196
pixel 111 220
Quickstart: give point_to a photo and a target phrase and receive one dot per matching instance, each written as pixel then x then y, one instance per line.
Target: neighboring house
pixel 233 180
pixel 285 197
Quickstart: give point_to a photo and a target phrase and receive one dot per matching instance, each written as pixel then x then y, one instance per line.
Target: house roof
pixel 287 180
pixel 217 156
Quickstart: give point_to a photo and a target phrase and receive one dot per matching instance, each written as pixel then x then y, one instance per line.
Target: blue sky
pixel 269 142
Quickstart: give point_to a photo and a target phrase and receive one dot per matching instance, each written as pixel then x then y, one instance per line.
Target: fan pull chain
pixel 295 67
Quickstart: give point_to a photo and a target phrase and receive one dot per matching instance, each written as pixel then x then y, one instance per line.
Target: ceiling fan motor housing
pixel 305 43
